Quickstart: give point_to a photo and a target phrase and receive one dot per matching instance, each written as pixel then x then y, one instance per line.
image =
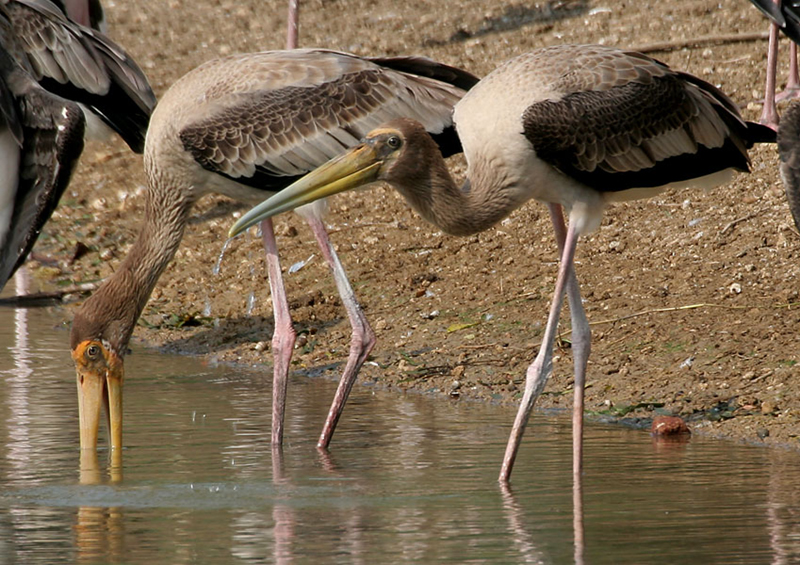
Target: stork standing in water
pixel 785 16
pixel 573 125
pixel 245 126
pixel 76 64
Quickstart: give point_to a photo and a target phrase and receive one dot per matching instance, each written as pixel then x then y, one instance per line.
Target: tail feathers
pixel 759 133
pixel 424 67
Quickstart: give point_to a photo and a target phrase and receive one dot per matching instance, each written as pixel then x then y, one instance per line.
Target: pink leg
pixel 769 115
pixel 363 338
pixel 792 89
pixel 291 33
pixel 581 347
pixel 284 336
pixel 540 369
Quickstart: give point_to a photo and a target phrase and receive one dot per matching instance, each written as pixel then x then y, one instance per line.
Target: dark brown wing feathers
pixel 670 128
pixel 273 117
pixel 246 141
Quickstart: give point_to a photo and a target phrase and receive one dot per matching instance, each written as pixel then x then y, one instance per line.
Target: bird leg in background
pixel 363 338
pixel 292 24
pixel 283 337
pixel 539 371
pixel 769 115
pixel 792 89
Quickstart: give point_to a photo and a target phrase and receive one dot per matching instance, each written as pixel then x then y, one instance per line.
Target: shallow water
pixel 408 478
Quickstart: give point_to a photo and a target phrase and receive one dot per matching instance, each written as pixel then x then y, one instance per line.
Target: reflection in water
pixel 284 516
pixel 18 383
pixel 409 479
pixel 577 517
pixel 516 526
pixel 783 509
pixel 99 530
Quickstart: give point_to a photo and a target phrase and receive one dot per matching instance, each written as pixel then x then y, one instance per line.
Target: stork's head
pixel 99 340
pixel 396 152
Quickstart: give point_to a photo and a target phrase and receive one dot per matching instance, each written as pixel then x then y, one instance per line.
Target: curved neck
pixel 112 311
pixel 480 203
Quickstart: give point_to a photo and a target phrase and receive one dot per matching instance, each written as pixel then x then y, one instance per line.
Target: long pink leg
pixel 361 342
pixel 292 23
pixel 284 336
pixel 539 371
pixel 769 115
pixel 581 346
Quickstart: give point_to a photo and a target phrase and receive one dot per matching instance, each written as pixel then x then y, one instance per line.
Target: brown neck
pixel 112 311
pixel 430 189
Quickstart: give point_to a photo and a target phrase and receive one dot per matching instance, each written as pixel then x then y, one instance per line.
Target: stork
pixel 245 126
pixel 573 126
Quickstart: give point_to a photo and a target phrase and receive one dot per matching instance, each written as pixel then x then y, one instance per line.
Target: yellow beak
pixel 100 375
pixel 359 166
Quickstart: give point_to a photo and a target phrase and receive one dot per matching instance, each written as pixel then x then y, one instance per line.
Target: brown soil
pixel 692 296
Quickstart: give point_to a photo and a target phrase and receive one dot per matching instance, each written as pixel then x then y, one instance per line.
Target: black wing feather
pixel 51 131
pixel 583 133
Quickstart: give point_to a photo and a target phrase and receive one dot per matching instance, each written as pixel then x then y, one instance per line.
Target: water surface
pixel 408 478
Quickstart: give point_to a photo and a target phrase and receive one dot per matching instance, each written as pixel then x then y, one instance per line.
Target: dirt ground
pixel 693 297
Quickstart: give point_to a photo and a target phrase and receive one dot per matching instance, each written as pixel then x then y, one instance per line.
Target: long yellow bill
pixel 357 167
pixel 100 375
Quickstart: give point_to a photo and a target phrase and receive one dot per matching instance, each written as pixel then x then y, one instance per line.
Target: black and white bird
pixel 76 64
pixel 576 126
pixel 81 64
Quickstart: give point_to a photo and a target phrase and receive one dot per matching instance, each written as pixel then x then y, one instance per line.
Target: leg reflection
pixel 282 514
pixel 514 516
pixel 529 553
pixel 577 518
